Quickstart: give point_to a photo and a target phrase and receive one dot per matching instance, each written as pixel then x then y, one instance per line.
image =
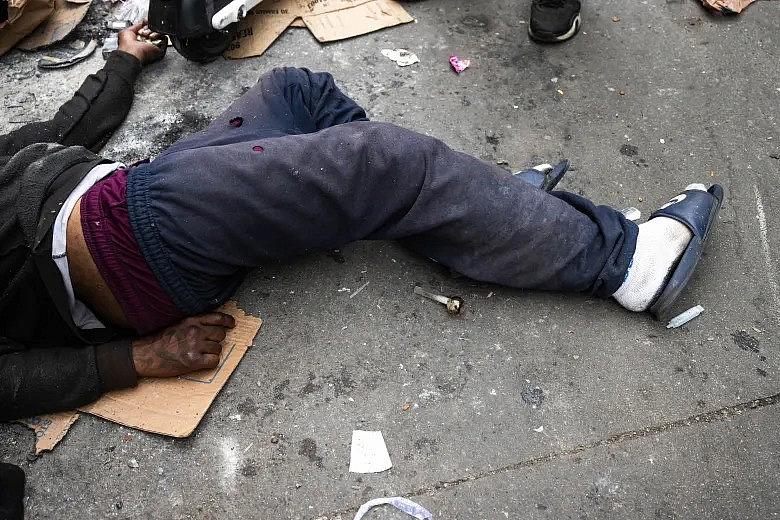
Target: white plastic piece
pixel 232 13
pixel 685 317
pixel 402 504
pixel 402 57
pixel 631 213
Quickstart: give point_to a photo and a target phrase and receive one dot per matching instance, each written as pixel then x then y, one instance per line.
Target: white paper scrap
pixel 402 57
pixel 369 453
pixel 400 503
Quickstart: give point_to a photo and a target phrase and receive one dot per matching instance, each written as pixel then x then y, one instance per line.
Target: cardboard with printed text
pixel 328 20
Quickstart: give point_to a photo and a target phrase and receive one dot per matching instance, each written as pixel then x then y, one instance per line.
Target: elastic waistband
pixel 115 251
pixel 153 248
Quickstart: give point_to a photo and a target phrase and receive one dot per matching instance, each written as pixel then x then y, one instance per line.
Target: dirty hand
pixel 192 344
pixel 145 51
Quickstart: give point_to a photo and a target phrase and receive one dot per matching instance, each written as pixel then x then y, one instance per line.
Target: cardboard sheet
pixel 23 17
pixel 728 6
pixel 328 20
pixel 175 406
pixel 49 429
pixel 66 16
pixel 172 406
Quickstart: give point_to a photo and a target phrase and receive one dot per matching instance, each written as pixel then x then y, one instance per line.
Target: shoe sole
pixel 575 26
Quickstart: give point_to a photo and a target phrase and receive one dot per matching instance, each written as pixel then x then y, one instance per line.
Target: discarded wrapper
pixel 458 64
pixel 402 57
pixel 110 44
pixel 368 453
pixel 402 504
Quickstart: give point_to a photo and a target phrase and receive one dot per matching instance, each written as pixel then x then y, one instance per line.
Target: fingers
pixel 217 319
pixel 136 26
pixel 209 361
pixel 211 347
pixel 214 333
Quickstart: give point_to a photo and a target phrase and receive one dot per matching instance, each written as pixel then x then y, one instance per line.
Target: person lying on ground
pixel 292 167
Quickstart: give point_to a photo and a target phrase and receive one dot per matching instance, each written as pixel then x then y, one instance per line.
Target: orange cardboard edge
pixel 49 429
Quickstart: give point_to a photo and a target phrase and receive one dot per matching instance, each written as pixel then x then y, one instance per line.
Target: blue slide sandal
pixel 697 210
pixel 544 176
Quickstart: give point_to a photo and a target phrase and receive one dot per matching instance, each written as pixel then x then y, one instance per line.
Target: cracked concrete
pixel 641 422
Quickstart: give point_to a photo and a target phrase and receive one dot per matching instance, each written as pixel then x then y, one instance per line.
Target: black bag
pixel 11 492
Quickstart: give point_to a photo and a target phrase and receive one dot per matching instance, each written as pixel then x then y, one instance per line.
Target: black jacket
pixel 46 363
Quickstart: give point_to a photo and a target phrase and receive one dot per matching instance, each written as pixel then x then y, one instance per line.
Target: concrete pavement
pixel 636 421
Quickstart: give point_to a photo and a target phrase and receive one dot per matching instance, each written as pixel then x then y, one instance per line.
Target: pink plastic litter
pixel 459 65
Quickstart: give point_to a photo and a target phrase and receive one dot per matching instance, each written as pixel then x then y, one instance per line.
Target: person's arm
pixel 98 108
pixel 44 380
pixel 58 378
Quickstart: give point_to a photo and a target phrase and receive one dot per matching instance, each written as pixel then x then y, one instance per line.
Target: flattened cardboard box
pixel 66 16
pixel 328 20
pixel 168 406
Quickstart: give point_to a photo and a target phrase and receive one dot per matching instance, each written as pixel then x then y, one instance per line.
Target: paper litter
pixel 400 503
pixel 402 57
pixel 368 453
pixel 458 64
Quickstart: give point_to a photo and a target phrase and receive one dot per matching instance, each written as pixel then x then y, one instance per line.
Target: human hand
pixel 144 50
pixel 192 344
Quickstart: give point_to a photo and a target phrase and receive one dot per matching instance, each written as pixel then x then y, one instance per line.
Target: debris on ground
pixel 532 395
pixel 631 213
pixel 132 463
pixel 727 6
pixel 401 57
pixel 685 317
pixel 132 10
pixel 368 453
pixel 615 19
pixel 63 58
pixel 458 64
pixel 66 16
pixel 109 45
pixel 49 429
pixel 454 304
pixel 402 504
pixel 117 25
pixel 540 429
pixel 327 21
pixel 358 290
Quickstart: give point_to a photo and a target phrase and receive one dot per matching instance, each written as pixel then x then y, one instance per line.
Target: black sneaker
pixel 554 20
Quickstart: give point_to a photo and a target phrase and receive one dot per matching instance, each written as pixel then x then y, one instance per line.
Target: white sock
pixel 660 243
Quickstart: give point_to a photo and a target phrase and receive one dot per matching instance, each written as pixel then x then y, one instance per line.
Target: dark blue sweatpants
pixel 294 166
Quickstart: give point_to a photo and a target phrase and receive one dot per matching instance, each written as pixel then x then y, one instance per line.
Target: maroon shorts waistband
pixel 110 240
